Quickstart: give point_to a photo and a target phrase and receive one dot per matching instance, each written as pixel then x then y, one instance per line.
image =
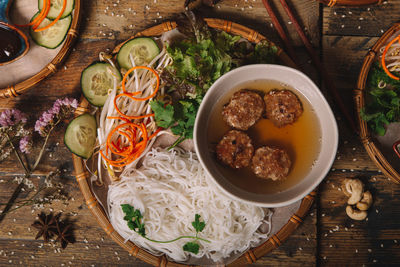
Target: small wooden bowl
pixel 13 90
pixel 332 3
pixel 374 148
pixel 82 175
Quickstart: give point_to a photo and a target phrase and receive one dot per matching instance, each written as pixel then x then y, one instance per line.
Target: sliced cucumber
pixel 96 80
pixel 56 6
pixel 53 36
pixel 142 49
pixel 80 136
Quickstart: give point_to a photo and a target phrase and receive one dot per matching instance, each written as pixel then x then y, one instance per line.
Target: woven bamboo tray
pixel 13 90
pixel 82 175
pixel 384 159
pixel 332 3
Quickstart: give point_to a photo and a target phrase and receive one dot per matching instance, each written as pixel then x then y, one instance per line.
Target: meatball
pixel 282 107
pixel 235 149
pixel 243 110
pixel 271 162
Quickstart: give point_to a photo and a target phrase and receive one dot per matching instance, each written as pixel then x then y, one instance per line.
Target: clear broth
pixel 302 141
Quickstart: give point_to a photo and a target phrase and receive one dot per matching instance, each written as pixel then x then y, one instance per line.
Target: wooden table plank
pixel 360 21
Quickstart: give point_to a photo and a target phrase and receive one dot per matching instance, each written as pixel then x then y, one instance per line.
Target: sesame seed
pixel 86 247
pixel 330 246
pixel 395 241
pixel 361 18
pixel 116 253
pixel 356 250
pixel 369 250
pixel 381 245
pixel 377 211
pixel 118 258
pixel 325 235
pixel 342 26
pixel 374 261
pixel 324 257
pixel 300 248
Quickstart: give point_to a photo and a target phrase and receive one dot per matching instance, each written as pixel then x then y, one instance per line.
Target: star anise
pixel 65 234
pixel 47 226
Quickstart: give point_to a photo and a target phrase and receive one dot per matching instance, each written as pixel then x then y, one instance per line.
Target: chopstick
pixel 314 57
pixel 280 31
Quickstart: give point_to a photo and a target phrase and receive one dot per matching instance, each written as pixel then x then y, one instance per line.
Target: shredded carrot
pixel 155 133
pixel 55 20
pixel 146 68
pixel 383 59
pixel 127 116
pixel 128 153
pixel 41 16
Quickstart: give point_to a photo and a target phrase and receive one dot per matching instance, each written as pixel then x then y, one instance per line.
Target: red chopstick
pixel 325 76
pixel 280 31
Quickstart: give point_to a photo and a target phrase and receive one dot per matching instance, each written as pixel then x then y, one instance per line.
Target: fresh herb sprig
pixel 198 61
pixel 383 101
pixel 180 117
pixel 135 222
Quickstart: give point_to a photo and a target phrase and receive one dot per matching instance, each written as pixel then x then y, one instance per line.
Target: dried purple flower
pixel 25 144
pixel 60 110
pixel 10 117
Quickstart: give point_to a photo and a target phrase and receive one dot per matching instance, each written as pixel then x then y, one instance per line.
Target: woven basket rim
pixel 366 136
pixel 332 3
pixel 19 88
pixel 251 255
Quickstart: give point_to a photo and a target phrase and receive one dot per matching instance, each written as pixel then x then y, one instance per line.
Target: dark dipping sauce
pixel 10 44
pixel 301 140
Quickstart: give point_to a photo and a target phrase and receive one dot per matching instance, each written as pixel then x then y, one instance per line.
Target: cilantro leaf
pixel 134 219
pixel 164 114
pixel 197 224
pixel 191 247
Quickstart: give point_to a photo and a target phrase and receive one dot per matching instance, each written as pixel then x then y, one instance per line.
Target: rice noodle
pixel 169 189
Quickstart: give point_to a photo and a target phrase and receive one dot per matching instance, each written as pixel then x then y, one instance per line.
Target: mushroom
pixel 366 201
pixel 354 188
pixel 358 215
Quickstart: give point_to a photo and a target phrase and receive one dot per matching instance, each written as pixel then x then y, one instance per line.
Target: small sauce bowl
pixel 13 42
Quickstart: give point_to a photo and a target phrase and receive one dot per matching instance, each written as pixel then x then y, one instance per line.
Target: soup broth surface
pixel 302 141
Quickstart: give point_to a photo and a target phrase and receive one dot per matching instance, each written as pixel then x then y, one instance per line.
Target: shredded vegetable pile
pixel 127 128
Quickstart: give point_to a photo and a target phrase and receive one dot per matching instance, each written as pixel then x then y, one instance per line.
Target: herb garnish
pixel 135 222
pixel 179 116
pixel 198 61
pixel 383 102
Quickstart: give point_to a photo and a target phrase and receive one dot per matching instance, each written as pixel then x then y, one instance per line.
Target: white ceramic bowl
pixel 301 85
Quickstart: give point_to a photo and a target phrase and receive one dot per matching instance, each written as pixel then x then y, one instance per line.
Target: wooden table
pixel 326 237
